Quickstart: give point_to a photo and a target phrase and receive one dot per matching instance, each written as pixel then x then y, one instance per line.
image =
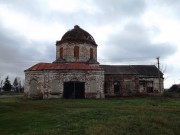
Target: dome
pixel 77 35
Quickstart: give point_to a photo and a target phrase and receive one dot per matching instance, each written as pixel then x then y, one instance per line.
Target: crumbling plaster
pixel 45 78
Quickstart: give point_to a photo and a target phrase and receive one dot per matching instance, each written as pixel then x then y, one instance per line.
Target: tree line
pixel 6 85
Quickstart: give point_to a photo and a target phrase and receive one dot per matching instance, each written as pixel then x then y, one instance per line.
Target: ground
pixel 126 116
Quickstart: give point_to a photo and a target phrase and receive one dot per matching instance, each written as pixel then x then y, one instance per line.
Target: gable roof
pixel 147 70
pixel 142 70
pixel 118 69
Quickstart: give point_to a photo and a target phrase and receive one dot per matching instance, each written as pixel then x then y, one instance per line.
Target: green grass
pixel 123 116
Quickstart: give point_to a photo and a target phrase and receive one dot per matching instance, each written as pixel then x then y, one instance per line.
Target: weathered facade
pixel 123 80
pixel 76 73
pixel 65 83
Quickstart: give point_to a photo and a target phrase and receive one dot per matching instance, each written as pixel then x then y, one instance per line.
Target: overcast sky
pixel 127 32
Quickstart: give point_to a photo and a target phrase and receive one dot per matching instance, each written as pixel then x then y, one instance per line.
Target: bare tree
pixel 15 84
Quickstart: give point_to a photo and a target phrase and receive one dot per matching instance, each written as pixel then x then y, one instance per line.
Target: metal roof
pixel 118 69
pixel 60 66
pixel 147 70
pixel 142 70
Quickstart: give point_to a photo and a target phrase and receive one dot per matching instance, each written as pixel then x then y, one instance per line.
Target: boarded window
pixel 91 53
pixel 61 53
pixel 93 86
pixel 55 86
pixel 33 87
pixel 129 85
pixel 76 51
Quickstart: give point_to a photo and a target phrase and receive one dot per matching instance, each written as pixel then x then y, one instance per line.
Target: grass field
pixel 123 116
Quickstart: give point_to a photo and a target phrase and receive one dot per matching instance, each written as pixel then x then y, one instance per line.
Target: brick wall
pixel 68 52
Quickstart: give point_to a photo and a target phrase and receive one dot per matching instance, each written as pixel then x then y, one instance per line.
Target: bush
pixel 174 88
pixel 168 94
pixel 171 94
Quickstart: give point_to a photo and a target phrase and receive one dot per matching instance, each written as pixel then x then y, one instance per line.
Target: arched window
pixel 91 53
pixel 76 51
pixel 61 53
pixel 116 87
pixel 106 86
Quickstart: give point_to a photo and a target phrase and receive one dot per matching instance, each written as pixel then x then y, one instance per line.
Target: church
pixel 76 73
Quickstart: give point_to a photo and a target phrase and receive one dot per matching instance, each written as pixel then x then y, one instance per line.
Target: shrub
pixel 174 88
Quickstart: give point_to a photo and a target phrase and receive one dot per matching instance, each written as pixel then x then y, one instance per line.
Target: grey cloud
pixel 122 7
pixel 40 11
pixel 17 53
pixel 14 46
pixel 174 7
pixel 108 11
pixel 168 3
pixel 32 8
pixel 171 7
pixel 133 43
pixel 117 10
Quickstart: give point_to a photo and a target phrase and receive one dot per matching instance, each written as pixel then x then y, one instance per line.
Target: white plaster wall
pixel 155 85
pixel 34 75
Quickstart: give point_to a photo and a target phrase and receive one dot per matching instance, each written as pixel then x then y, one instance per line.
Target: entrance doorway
pixel 117 88
pixel 74 90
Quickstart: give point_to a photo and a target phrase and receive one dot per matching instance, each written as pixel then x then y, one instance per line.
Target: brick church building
pixel 76 73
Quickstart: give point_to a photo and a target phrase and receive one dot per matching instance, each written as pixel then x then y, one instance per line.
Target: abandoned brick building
pixel 76 73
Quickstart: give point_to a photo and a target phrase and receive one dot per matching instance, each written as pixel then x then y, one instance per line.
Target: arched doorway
pixel 116 88
pixel 106 88
pixel 74 89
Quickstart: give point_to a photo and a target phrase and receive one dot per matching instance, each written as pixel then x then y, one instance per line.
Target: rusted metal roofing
pixel 60 66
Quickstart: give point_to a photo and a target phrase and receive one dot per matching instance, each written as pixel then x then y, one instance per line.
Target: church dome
pixel 77 35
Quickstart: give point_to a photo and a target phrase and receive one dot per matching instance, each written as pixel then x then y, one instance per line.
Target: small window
pixel 61 53
pixel 91 53
pixel 76 51
pixel 129 85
